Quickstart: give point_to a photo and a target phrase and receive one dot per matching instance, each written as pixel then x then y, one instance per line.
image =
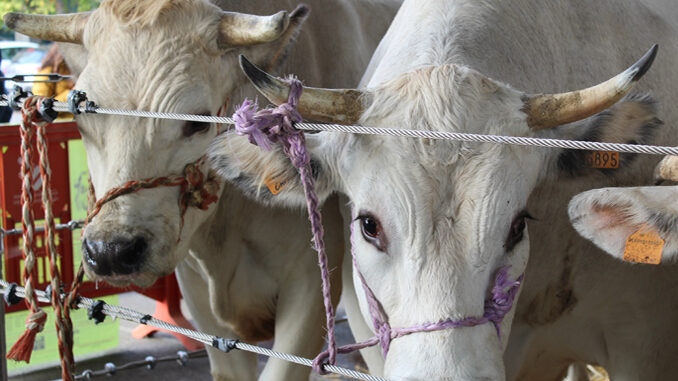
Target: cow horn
pixel 339 106
pixel 240 29
pixel 550 110
pixel 59 28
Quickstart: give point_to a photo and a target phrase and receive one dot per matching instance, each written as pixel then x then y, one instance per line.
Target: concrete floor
pixel 161 344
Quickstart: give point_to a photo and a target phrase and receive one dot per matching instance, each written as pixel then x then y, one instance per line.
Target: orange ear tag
pixel 644 246
pixel 602 159
pixel 274 185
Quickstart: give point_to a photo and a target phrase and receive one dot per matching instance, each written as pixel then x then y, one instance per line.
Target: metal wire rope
pixel 427 134
pixel 225 345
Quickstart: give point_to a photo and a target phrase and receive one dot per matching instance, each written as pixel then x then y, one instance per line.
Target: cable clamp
pixel 91 107
pixel 96 312
pixel 14 97
pixel 11 298
pixel 75 97
pixel 87 374
pixel 46 110
pixel 224 345
pixel 150 362
pixel 182 358
pixel 110 368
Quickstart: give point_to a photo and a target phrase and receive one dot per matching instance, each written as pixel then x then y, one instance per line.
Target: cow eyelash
pixel 191 128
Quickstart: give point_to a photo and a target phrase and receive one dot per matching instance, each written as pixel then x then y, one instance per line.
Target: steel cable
pixel 128 314
pixel 426 134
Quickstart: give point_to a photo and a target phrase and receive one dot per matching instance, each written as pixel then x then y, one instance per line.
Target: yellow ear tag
pixel 602 159
pixel 274 185
pixel 644 246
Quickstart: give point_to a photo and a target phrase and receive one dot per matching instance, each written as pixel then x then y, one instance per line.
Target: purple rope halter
pixel 277 126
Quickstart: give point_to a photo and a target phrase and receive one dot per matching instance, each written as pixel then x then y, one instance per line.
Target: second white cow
pixel 434 221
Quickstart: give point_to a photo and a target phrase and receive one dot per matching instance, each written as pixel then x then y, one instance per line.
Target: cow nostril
pixel 128 255
pixel 118 256
pixel 94 253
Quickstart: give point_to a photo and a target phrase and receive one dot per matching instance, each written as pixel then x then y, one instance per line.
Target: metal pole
pixel 3 350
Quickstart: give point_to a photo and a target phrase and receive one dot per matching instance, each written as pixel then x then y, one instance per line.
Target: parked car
pixel 21 57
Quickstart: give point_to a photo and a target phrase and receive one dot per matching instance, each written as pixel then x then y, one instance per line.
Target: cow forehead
pixel 477 194
pixel 151 45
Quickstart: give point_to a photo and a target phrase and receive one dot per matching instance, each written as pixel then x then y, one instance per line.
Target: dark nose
pixel 117 256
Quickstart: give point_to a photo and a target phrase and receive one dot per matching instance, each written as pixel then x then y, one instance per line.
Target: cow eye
pixel 191 128
pixel 517 229
pixel 372 231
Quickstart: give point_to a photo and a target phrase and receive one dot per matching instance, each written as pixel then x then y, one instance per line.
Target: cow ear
pixel 268 176
pixel 75 56
pixel 633 121
pixel 608 216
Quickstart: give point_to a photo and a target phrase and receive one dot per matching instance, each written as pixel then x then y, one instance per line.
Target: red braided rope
pixel 32 124
pixel 196 190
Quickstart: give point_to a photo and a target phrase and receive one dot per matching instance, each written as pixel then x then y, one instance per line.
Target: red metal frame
pixel 165 291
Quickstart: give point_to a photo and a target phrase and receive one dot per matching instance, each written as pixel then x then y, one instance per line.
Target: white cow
pixel 609 216
pixel 435 220
pixel 251 270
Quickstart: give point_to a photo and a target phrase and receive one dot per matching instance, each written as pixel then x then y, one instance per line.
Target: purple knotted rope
pixel 277 126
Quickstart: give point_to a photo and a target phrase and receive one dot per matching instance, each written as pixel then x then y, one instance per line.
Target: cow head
pixel 609 216
pixel 168 56
pixel 433 220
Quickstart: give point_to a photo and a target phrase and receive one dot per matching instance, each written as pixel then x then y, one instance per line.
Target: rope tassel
pixel 23 348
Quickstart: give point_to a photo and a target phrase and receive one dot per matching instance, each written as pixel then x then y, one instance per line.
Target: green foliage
pixel 46 7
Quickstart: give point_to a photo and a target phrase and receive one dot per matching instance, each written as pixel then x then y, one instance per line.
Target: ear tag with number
pixel 274 185
pixel 602 159
pixel 644 246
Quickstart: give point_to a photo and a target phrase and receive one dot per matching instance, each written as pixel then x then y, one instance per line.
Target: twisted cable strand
pixel 437 135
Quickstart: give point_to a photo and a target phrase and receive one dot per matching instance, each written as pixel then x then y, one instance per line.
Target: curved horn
pixel 550 110
pixel 339 106
pixel 59 28
pixel 240 29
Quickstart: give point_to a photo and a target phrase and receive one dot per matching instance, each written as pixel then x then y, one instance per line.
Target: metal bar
pixel 51 78
pixel 71 225
pixel 3 350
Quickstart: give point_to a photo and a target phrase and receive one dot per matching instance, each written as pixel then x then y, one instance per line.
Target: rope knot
pixel 199 191
pixel 384 334
pixel 276 125
pixel 502 297
pixel 36 321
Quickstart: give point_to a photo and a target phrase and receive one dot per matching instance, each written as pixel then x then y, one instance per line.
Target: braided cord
pixel 63 322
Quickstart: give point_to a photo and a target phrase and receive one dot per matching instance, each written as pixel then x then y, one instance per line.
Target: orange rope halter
pixel 196 190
